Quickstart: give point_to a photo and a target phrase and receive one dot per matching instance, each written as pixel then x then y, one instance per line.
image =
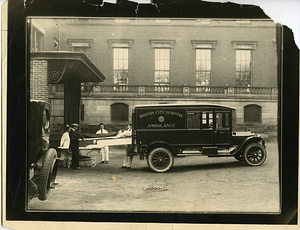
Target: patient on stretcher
pixel 126 133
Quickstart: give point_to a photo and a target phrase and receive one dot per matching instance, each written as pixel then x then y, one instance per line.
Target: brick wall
pixel 38 80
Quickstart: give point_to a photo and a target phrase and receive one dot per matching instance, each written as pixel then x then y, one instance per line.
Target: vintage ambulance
pixel 162 131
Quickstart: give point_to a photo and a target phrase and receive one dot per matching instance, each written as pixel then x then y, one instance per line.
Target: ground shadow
pixel 196 167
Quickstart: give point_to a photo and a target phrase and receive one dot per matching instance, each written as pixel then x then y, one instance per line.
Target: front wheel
pixel 255 154
pixel 160 160
pixel 47 174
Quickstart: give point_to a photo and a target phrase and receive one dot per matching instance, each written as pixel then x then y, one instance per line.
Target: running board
pixel 189 154
pixel 200 153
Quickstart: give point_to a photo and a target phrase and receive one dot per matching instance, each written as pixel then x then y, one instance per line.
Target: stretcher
pixel 110 141
pixel 87 155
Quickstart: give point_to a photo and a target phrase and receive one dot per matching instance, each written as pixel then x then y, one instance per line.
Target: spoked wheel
pixel 255 154
pixel 94 162
pixel 160 160
pixel 47 174
pixel 69 162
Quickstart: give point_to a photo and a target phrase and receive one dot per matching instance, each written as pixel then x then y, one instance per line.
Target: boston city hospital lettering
pixel 161 119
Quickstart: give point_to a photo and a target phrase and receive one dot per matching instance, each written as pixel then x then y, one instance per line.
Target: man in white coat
pixel 65 138
pixel 104 150
pixel 127 162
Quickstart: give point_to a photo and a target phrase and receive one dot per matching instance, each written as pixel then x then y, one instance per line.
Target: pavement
pixel 194 184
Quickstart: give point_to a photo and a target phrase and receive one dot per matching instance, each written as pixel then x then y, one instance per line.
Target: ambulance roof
pixel 207 105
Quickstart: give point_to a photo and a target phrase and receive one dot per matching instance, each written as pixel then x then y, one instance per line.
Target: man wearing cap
pixel 74 145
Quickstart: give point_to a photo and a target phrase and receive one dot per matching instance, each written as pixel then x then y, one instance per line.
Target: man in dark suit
pixel 74 145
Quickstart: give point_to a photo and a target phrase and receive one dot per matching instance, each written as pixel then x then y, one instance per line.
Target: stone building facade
pixel 147 61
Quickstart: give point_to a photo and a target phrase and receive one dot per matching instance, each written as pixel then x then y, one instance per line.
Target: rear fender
pixel 159 144
pixel 249 140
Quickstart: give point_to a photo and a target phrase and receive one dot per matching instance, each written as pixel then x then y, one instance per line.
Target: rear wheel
pixel 160 160
pixel 47 174
pixel 255 154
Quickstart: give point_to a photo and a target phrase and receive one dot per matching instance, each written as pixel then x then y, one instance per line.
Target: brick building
pixel 145 61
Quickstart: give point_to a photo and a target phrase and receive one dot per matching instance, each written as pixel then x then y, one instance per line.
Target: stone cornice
pixel 202 44
pixel 120 43
pixel 162 43
pixel 250 45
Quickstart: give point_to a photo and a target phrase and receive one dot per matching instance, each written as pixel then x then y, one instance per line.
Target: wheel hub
pixel 160 160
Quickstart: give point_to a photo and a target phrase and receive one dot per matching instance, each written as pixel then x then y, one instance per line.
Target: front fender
pixel 249 140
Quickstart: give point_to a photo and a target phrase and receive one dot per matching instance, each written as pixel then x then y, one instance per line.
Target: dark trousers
pixel 75 157
pixel 129 149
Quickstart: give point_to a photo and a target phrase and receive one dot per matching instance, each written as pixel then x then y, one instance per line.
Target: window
pixel 120 66
pixel 120 59
pixel 252 113
pixel 119 112
pixel 243 61
pixel 243 67
pixel 203 67
pixel 207 120
pixel 37 39
pixel 162 61
pixel 203 61
pixel 162 67
pixel 222 120
pixel 193 120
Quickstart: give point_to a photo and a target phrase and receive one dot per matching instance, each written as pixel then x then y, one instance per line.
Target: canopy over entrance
pixel 70 69
pixel 65 65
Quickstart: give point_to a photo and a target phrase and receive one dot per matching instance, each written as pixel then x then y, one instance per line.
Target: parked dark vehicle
pixel 41 160
pixel 163 131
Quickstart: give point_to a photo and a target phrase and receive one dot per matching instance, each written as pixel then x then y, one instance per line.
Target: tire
pixel 69 163
pixel 94 162
pixel 160 160
pixel 47 174
pixel 255 154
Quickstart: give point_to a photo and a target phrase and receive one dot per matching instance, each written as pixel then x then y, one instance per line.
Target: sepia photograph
pixel 166 112
pixel 133 114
